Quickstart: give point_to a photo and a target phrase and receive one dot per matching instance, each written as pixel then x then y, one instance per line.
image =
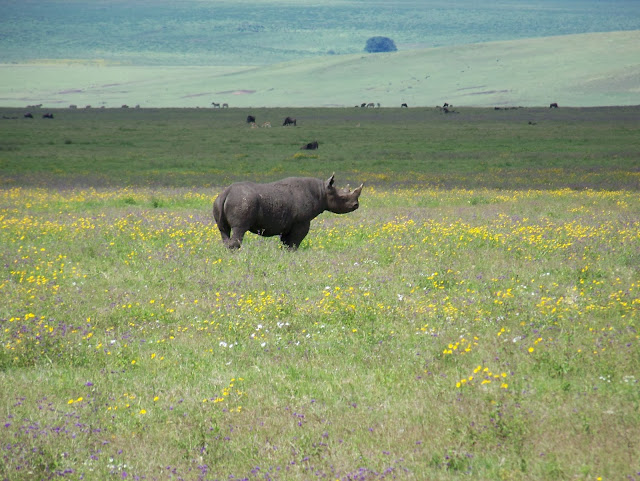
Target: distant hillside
pixel 264 32
pixel 574 70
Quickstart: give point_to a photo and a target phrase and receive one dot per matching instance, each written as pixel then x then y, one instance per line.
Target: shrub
pixel 380 44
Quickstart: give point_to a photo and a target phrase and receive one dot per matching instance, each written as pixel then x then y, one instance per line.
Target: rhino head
pixel 341 201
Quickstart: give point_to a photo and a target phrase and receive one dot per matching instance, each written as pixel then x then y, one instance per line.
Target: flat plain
pixel 477 317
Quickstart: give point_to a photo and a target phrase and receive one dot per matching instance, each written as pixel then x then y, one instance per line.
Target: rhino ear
pixel 330 181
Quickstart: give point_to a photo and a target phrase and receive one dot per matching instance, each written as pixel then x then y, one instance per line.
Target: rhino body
pixel 285 208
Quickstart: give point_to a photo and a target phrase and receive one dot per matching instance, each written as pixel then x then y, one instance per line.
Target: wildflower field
pixel 477 318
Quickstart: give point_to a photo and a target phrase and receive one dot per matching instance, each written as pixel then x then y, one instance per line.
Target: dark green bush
pixel 380 44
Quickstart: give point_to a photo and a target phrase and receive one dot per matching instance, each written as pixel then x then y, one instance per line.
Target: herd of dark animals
pixel 286 207
pixel 287 121
pixel 446 108
pixel 29 115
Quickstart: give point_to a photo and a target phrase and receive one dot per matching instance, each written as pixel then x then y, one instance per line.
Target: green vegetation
pixel 471 148
pixel 476 318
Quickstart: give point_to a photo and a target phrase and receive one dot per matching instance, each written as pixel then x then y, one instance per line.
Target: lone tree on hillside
pixel 380 44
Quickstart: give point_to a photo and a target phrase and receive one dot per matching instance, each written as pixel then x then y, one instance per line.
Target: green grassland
pixel 476 318
pixel 513 148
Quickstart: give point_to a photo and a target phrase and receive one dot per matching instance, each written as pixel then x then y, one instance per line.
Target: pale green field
pixel 575 70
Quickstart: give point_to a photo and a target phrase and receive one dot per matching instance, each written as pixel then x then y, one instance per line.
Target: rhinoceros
pixel 285 208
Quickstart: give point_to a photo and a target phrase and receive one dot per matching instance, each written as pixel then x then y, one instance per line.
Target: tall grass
pixel 442 331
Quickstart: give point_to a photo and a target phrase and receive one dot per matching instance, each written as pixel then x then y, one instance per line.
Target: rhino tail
pixel 218 212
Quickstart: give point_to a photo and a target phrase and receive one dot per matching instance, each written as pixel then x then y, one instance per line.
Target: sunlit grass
pixel 434 333
pixel 476 317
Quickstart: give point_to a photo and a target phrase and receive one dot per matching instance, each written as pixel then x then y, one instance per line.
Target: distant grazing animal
pixel 216 105
pixel 310 146
pixel 266 125
pixel 289 121
pixel 405 106
pixel 370 105
pixel 225 106
pixel 363 105
pixel 47 116
pixel 285 208
pixel 250 118
pixel 28 115
pixel 554 105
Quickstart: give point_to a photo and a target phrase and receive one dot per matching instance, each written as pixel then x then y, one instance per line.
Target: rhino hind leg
pixel 224 228
pixel 233 240
pixel 221 220
pixel 296 234
pixel 236 238
pixel 225 232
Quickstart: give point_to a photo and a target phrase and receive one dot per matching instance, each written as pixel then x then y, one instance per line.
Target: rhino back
pixel 271 209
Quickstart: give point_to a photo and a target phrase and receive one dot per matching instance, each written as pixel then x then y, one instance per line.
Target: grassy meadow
pixel 476 318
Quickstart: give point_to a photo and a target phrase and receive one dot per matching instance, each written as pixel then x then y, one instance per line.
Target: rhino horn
pixel 359 189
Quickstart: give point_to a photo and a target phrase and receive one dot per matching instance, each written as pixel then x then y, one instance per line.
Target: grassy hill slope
pixel 575 70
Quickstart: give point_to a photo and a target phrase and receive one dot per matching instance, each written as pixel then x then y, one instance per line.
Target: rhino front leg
pixel 293 238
